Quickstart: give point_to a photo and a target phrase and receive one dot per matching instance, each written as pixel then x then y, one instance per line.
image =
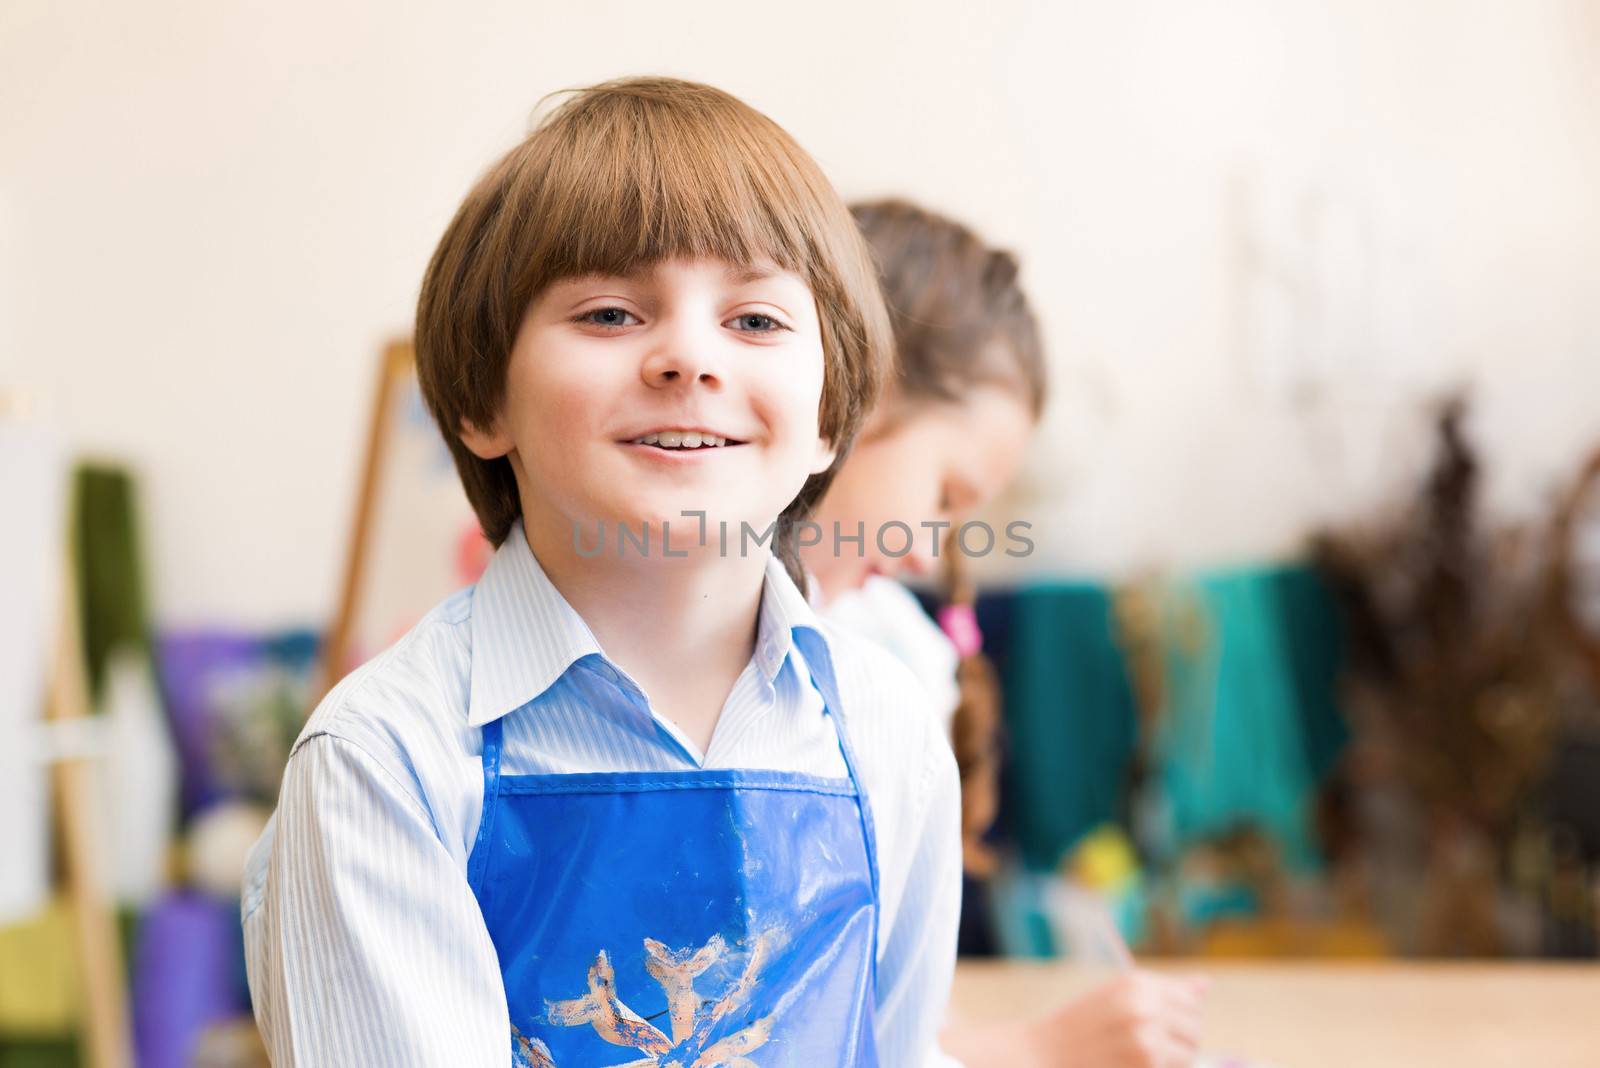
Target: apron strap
pixel 491 791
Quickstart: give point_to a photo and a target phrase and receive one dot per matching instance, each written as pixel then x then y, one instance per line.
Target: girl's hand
pixel 1138 1020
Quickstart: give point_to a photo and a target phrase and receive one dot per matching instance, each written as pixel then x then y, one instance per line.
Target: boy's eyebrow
pixel 738 274
pixel 744 274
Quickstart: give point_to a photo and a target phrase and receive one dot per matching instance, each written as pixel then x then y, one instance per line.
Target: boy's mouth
pixel 679 440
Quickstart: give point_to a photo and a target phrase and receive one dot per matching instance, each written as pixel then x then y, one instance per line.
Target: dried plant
pixel 1454 662
pixel 1450 642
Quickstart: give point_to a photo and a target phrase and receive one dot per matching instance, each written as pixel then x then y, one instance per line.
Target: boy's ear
pixel 824 457
pixel 486 444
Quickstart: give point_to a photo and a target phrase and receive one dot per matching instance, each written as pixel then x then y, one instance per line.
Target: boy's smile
pixel 681 447
pixel 688 386
pixel 686 440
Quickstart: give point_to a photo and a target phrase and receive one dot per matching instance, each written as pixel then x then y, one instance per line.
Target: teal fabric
pixel 1250 726
pixel 1251 719
pixel 1315 636
pixel 1070 717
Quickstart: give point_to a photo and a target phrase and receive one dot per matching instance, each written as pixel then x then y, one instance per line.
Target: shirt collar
pixel 525 635
pixel 794 623
pixel 784 612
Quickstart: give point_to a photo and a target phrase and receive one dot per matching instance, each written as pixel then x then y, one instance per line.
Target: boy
pixel 627 800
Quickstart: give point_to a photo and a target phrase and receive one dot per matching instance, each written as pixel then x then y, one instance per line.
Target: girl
pixel 950 432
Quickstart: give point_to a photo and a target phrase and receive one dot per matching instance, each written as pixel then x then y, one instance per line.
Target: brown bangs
pixel 629 183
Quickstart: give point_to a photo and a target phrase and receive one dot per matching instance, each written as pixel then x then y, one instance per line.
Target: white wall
pixel 1258 232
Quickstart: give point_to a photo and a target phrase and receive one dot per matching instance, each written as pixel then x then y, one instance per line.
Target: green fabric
pixel 39 1053
pixel 1070 718
pixel 111 597
pixel 1251 720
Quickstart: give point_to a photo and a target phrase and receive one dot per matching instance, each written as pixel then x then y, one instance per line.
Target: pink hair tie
pixel 960 625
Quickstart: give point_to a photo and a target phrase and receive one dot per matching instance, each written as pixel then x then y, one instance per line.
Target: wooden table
pixel 1363 1015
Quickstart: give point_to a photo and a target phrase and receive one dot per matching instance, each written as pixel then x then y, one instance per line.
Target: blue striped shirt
pixel 363 940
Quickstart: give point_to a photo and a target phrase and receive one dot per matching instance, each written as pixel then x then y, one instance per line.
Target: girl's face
pixel 937 462
pixel 612 379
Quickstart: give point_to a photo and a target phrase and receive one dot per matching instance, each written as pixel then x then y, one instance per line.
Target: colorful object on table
pixel 960 624
pixel 1105 866
pixel 187 971
pixel 1020 919
pixel 1104 859
pixel 1041 915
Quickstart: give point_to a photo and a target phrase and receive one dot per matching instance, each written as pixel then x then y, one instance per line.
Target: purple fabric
pixel 186 971
pixel 188 661
pixel 195 668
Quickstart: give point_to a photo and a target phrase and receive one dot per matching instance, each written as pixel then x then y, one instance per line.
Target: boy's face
pixel 608 373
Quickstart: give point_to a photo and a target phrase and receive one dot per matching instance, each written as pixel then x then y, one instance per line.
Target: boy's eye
pixel 755 322
pixel 608 317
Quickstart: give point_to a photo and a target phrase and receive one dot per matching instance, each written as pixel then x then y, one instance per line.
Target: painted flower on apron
pixel 694 1021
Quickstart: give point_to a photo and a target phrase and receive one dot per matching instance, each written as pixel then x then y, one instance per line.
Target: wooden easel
pixel 394 370
pixel 105 1031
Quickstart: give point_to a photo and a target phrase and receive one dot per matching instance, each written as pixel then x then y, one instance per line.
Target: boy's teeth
pixel 681 439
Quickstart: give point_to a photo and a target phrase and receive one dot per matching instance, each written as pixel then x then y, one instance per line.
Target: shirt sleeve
pixel 918 961
pixel 366 945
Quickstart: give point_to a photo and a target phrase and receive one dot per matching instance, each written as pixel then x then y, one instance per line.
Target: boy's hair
pixel 619 177
pixel 959 314
pixel 960 320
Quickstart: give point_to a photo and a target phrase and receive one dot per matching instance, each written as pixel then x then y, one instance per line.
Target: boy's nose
pixel 681 357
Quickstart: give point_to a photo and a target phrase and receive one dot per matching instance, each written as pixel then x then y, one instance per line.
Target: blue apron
pixel 681 919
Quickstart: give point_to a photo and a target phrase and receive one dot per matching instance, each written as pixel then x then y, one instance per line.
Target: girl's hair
pixel 617 178
pixel 960 320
